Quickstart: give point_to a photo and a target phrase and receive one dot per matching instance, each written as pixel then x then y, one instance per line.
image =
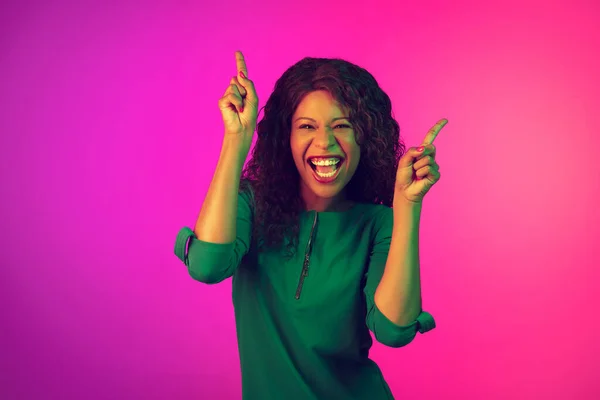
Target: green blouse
pixel 303 323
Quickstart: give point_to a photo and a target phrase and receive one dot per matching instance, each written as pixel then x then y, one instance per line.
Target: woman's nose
pixel 325 137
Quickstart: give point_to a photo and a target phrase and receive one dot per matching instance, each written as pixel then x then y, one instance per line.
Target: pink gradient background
pixel 110 133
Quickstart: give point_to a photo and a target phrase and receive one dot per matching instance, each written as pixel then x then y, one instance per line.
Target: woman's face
pixel 324 149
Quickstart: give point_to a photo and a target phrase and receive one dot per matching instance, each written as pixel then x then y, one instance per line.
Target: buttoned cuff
pixel 393 335
pixel 182 244
pixel 425 321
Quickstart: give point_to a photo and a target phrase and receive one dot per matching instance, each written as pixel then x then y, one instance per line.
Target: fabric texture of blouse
pixel 304 324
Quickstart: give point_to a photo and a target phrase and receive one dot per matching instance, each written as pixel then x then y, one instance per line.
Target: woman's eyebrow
pixel 333 120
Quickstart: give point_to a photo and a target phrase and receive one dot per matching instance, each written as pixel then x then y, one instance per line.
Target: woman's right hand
pixel 239 105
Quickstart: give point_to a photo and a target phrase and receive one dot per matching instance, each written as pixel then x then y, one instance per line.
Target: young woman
pixel 319 231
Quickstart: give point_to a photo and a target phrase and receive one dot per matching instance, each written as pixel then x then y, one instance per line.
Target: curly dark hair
pixel 271 173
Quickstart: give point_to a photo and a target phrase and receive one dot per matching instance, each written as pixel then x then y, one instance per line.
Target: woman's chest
pixel 326 269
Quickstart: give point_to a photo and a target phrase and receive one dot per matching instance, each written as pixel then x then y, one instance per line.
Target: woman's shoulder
pixel 375 209
pixel 246 188
pixel 375 214
pixel 246 196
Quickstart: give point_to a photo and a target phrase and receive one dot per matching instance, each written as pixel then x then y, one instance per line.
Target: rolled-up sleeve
pixel 214 262
pixel 384 330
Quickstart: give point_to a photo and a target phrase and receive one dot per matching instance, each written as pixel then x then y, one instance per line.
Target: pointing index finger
pixel 433 132
pixel 241 63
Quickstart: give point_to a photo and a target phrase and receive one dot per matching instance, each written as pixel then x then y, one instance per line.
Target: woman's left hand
pixel 417 169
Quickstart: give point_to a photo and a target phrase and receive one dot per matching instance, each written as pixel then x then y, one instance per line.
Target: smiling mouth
pixel 326 172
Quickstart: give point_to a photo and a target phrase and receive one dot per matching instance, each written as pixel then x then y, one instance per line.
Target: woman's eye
pixel 343 126
pixel 311 127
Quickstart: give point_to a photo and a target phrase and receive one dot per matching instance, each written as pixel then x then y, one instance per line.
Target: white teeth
pixel 324 161
pixel 326 174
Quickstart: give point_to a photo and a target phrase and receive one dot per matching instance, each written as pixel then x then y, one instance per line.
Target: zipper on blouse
pixel 305 266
